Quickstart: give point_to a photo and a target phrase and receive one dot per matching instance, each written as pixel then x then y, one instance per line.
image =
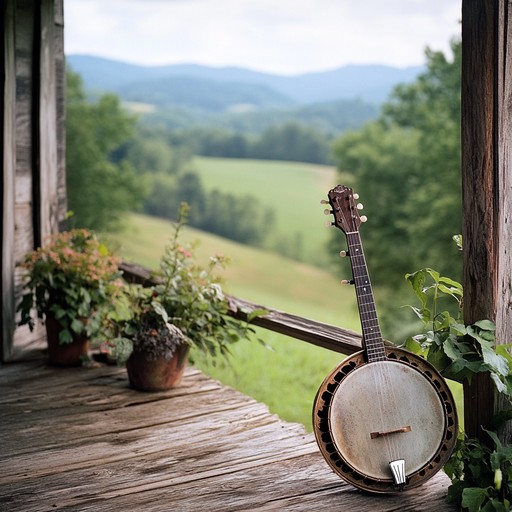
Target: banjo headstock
pixel 344 209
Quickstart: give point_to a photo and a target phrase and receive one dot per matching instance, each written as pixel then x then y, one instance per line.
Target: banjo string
pixel 381 376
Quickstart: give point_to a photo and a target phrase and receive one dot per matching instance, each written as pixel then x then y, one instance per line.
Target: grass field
pixel 292 189
pixel 287 377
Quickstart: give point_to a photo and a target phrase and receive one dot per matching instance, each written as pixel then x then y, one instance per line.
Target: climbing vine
pixel 481 473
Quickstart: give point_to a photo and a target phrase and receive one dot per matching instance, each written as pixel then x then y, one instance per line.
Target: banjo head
pixel 367 415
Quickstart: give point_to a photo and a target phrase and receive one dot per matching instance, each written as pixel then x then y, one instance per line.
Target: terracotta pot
pixel 65 354
pixel 147 375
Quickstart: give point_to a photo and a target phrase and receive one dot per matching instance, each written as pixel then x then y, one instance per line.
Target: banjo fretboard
pixel 372 337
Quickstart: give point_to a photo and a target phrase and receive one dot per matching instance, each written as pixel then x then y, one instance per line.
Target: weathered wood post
pixel 32 143
pixel 8 166
pixel 487 186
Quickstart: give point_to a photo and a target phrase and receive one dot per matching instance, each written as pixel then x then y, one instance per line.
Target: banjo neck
pixel 372 337
pixel 346 218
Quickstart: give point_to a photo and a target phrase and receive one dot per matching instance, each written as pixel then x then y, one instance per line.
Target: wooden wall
pixel 32 143
pixel 487 188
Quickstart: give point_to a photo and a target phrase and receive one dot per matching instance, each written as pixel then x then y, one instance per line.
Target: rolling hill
pixel 202 94
pixel 370 83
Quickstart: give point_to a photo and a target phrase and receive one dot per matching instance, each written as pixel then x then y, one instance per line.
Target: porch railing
pixel 317 333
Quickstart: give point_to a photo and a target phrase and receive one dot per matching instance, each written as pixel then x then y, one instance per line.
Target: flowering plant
pixel 70 279
pixel 185 305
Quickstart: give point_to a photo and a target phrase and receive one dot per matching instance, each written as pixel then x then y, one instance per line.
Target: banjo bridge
pixel 374 435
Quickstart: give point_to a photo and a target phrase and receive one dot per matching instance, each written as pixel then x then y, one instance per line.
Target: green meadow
pixel 285 373
pixel 293 190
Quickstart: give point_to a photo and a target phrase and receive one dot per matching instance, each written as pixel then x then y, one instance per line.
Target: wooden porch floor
pixel 82 440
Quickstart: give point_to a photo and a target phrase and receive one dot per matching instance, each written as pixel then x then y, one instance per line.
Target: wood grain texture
pixel 8 164
pixel 487 186
pixel 81 439
pixel 37 102
pixel 504 200
pixel 23 213
pixel 47 129
pixel 60 83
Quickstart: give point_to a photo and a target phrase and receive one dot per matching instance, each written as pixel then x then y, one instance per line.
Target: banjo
pixel 384 419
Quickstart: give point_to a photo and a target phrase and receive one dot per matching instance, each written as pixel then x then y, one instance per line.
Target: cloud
pixel 287 36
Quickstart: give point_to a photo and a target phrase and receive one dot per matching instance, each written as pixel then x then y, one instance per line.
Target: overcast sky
pixel 279 36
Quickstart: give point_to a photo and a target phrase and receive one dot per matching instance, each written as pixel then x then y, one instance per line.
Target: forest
pixel 405 164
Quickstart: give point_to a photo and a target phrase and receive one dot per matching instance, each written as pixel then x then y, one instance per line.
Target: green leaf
pixel 486 325
pixel 500 386
pixel 417 281
pixel 77 325
pixel 476 334
pixel 65 337
pixel 439 359
pixel 473 498
pixel 460 329
pixel 412 345
pixel 160 310
pixel 434 274
pixel 495 505
pixel 455 491
pixel 494 437
pixel 451 349
pixel 59 313
pixel 442 321
pixel 453 284
pixel 423 314
pixel 496 362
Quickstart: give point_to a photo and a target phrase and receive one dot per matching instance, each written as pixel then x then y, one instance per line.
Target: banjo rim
pixel 334 455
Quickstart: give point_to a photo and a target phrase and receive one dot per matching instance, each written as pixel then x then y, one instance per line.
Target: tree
pixel 385 171
pixel 292 141
pixel 99 189
pixel 406 167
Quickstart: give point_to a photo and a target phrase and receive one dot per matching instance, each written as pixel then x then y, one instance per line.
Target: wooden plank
pixel 323 335
pixel 486 185
pixel 171 439
pixel 200 446
pixel 23 215
pixel 59 13
pixel 8 163
pixel 504 214
pixel 60 82
pixel 48 210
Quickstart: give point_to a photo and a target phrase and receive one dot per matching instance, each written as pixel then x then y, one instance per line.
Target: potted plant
pixel 66 282
pixel 152 328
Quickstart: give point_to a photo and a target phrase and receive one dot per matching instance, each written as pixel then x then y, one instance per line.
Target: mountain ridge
pixel 371 83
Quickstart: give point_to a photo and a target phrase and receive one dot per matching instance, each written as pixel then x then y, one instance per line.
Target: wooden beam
pixel 60 80
pixel 327 336
pixel 8 164
pixel 486 185
pixel 47 129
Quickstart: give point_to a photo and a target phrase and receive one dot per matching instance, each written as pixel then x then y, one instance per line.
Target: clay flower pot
pixel 65 354
pixel 150 374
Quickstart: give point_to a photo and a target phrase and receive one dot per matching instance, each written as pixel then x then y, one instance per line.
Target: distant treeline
pixel 242 219
pixel 301 134
pixel 331 118
pixel 292 141
pixel 115 164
